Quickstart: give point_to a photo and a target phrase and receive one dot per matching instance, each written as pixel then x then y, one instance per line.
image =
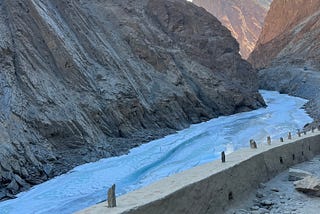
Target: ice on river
pixel 87 184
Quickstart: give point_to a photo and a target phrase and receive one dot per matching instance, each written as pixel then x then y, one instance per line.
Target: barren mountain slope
pixel 81 80
pixel 291 34
pixel 288 51
pixel 243 18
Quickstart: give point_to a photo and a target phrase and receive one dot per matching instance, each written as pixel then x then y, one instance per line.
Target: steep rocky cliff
pixel 288 51
pixel 291 35
pixel 243 18
pixel 81 80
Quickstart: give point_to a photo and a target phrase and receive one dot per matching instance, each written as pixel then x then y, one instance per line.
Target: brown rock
pixel 243 18
pixel 290 34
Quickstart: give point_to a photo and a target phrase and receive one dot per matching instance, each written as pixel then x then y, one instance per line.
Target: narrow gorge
pixel 80 81
pixel 287 53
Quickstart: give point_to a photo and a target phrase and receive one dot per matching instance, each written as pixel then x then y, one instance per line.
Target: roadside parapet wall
pixel 216 186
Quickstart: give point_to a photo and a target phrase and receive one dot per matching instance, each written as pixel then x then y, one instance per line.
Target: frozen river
pixel 87 184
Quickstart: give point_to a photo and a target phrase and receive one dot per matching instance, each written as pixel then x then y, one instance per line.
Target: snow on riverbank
pixel 87 184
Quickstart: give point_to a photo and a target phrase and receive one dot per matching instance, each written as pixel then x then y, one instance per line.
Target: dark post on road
pixel 112 196
pixel 253 144
pixel 269 140
pixel 223 157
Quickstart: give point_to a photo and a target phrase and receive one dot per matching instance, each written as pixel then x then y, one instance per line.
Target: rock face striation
pixel 287 52
pixel 291 35
pixel 82 80
pixel 243 18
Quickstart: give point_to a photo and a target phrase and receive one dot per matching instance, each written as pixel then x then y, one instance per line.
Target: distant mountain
pixel 243 18
pixel 291 35
pixel 287 53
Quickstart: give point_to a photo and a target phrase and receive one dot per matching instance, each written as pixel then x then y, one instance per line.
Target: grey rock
pixel 10 196
pixel 297 174
pixel 13 187
pixel 310 185
pixel 255 208
pixel 19 180
pixel 48 169
pixel 105 81
pixel 260 194
pixel 262 185
pixel 241 211
pixel 2 194
pixel 263 211
pixel 266 203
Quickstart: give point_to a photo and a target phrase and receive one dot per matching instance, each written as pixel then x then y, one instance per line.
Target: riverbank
pixel 86 185
pixel 216 186
pixel 295 81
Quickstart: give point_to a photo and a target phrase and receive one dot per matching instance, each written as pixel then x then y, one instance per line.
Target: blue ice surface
pixel 87 184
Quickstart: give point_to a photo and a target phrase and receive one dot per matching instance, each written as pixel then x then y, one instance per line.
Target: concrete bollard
pixel 269 140
pixel 281 139
pixel 253 144
pixel 112 197
pixel 289 136
pixel 223 157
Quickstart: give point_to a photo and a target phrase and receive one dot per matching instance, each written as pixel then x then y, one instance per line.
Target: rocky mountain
pixel 243 18
pixel 288 51
pixel 83 80
pixel 291 35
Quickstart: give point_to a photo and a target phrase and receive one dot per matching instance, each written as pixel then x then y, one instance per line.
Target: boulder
pixel 297 174
pixel 310 185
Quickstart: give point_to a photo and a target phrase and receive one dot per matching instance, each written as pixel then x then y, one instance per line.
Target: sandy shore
pixel 278 196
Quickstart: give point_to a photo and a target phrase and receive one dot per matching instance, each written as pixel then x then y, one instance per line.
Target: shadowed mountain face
pixel 243 18
pixel 84 80
pixel 291 35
